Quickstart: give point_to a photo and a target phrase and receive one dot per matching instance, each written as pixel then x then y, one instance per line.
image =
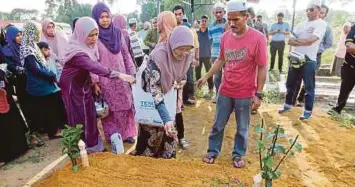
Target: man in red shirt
pixel 243 52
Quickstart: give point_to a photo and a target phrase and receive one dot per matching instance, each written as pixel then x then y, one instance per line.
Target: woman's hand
pixel 97 89
pixel 127 78
pixel 170 130
pixel 179 85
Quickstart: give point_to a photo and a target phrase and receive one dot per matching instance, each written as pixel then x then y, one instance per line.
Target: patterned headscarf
pixel 30 37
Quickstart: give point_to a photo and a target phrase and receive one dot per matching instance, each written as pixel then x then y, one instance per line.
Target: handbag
pixel 297 60
pixel 101 106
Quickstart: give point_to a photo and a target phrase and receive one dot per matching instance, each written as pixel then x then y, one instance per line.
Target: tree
pixel 149 11
pixel 23 14
pixel 78 10
pixel 51 8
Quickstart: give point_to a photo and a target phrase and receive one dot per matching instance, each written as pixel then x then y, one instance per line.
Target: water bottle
pixel 117 143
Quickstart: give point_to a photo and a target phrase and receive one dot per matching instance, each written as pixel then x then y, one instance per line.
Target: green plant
pixel 270 97
pixel 346 121
pixel 273 151
pixel 71 137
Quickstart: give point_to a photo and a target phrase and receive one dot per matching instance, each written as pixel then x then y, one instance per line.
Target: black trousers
pixel 48 112
pixel 189 88
pixel 347 85
pixel 139 60
pixel 279 47
pixel 207 63
pixel 299 95
pixel 179 122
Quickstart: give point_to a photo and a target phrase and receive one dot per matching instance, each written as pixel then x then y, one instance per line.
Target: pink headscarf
pixel 172 69
pixel 58 43
pixel 166 23
pixel 120 21
pixel 77 44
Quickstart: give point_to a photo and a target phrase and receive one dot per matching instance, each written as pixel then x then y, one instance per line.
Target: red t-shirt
pixel 242 57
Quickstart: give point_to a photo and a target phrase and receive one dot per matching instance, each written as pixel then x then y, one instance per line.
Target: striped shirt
pixel 135 44
pixel 215 32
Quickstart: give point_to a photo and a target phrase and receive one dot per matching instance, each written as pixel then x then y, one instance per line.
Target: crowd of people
pixel 57 79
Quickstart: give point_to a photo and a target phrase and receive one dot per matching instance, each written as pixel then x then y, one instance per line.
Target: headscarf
pixel 111 36
pixel 166 23
pixel 30 36
pixel 83 28
pixel 58 43
pixel 120 21
pixel 12 49
pixel 172 69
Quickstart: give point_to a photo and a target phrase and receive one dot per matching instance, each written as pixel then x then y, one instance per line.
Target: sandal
pixel 238 162
pixel 209 159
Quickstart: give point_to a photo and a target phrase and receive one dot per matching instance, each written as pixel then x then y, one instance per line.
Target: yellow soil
pixel 326 160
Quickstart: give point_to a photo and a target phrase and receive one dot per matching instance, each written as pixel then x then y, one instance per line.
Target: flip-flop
pixel 238 162
pixel 4 105
pixel 209 159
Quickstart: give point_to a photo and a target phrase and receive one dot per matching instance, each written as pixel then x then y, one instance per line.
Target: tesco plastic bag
pixel 144 103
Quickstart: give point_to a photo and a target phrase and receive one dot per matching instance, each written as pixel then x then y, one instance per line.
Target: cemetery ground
pixel 326 160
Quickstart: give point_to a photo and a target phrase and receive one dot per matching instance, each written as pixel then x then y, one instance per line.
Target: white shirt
pixel 306 30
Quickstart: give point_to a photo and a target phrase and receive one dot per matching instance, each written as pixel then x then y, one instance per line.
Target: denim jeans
pixel 217 78
pixel 224 108
pixel 307 72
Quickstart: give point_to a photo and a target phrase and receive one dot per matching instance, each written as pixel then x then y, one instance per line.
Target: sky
pixel 126 6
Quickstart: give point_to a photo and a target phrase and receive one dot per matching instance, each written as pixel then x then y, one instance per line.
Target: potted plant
pixel 272 153
pixel 71 138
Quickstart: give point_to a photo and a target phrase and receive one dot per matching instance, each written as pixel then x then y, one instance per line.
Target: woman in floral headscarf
pixel 41 83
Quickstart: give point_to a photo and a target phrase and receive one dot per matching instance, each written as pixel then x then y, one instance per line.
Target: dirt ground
pixel 326 159
pixel 19 171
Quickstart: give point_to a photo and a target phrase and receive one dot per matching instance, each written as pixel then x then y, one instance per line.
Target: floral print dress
pixel 152 140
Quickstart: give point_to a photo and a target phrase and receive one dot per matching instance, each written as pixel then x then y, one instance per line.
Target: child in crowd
pixel 52 62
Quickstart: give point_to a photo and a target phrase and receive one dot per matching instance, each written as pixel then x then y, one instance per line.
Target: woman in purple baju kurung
pixel 114 54
pixel 81 60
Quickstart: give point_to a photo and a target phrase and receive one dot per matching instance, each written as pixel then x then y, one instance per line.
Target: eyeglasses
pixel 204 21
pixel 310 9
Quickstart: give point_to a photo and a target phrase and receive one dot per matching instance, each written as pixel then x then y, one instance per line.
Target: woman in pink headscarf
pixel 166 68
pixel 166 23
pixel 56 40
pixel 114 54
pixel 81 59
pixel 120 21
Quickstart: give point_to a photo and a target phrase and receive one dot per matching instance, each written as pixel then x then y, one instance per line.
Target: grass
pixel 345 120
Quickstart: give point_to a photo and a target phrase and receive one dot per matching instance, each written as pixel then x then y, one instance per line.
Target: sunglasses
pixel 154 22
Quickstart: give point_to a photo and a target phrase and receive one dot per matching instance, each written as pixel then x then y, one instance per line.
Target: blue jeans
pixel 307 72
pixel 224 108
pixel 217 78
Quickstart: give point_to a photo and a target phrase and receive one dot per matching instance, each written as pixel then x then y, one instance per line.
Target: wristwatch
pixel 259 95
